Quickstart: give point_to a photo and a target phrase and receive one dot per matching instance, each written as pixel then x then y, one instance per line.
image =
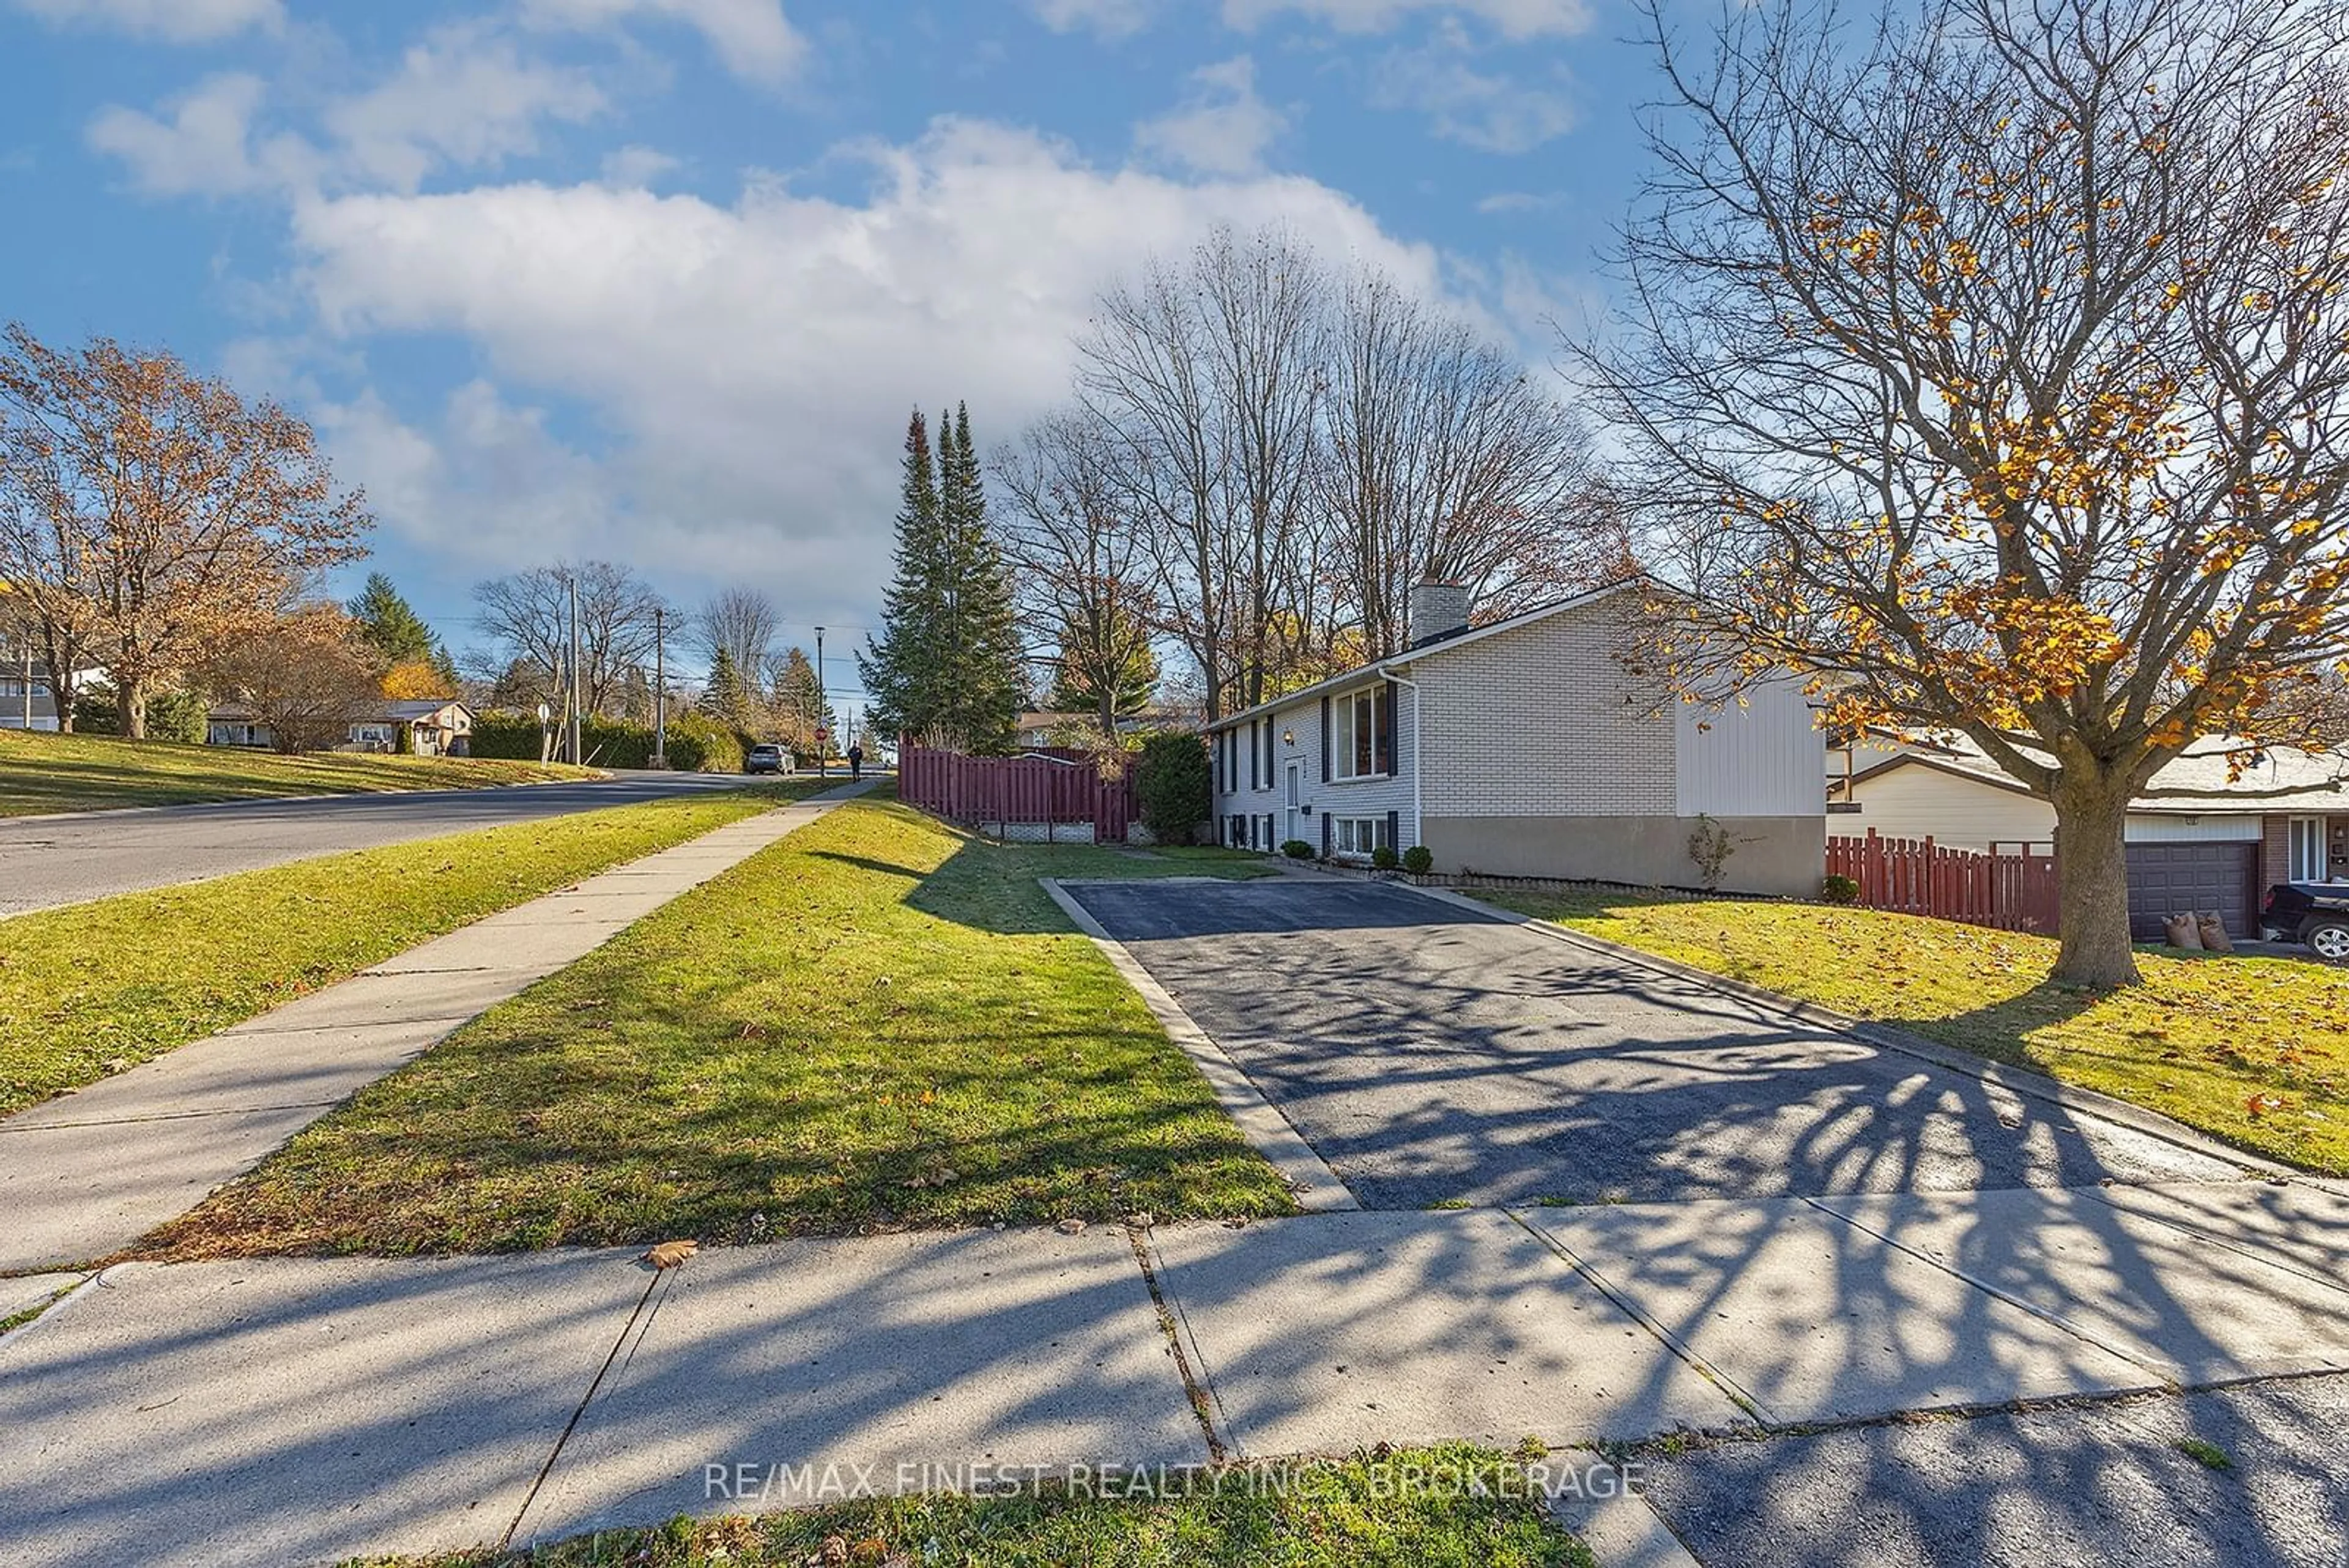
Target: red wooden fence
pixel 1004 793
pixel 1912 877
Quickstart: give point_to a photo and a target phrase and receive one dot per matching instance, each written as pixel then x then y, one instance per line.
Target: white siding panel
pixel 1764 758
pixel 2161 827
pixel 1963 814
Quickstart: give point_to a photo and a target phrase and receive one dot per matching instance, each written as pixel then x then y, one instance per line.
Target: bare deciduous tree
pixel 1445 459
pixel 528 614
pixel 1206 375
pixel 1083 566
pixel 2004 352
pixel 741 623
pixel 306 676
pixel 151 516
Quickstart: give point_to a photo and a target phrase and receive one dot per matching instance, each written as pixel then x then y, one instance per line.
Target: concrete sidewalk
pixel 297 1410
pixel 87 1173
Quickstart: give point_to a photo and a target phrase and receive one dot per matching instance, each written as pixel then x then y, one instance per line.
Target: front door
pixel 1293 798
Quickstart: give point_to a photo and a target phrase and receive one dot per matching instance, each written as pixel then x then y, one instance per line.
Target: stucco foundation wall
pixel 1774 855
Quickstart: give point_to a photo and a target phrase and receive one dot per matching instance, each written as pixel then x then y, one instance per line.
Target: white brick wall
pixel 1545 720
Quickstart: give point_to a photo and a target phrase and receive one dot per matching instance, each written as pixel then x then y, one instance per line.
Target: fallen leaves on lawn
pixel 671 1255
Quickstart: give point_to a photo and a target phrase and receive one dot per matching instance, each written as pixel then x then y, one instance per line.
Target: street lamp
pixel 822 710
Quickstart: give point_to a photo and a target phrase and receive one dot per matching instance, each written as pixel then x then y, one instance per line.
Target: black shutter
pixel 1324 835
pixel 1386 758
pixel 1325 741
pixel 1394 830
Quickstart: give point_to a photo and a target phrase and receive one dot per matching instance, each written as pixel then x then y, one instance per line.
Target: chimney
pixel 1437 611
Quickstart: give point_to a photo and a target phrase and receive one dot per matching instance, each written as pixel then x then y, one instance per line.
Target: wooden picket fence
pixel 2013 892
pixel 1005 795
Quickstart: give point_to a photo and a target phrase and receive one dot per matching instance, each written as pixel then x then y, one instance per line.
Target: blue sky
pixel 657 280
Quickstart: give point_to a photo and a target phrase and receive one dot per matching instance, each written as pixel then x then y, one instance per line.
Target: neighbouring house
pixel 1034 730
pixel 2285 817
pixel 435 727
pixel 26 699
pixel 1529 748
pixel 1048 730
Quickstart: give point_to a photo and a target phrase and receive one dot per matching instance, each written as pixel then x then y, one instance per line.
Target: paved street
pixel 64 860
pixel 1434 1055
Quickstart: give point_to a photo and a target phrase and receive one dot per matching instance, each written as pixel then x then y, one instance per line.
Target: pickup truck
pixel 2317 913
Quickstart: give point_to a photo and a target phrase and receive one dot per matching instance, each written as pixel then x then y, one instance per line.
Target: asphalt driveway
pixel 51 860
pixel 1434 1056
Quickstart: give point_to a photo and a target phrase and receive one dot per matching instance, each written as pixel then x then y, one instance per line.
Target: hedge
pixel 697 742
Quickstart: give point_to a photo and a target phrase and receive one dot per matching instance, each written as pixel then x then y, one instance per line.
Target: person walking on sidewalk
pixel 855 761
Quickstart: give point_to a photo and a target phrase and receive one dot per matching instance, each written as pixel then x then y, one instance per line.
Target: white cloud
pixel 1514 18
pixel 1494 112
pixel 1222 126
pixel 635 167
pixel 206 146
pixel 171 21
pixel 751 365
pixel 463 97
pixel 1506 201
pixel 754 38
pixel 1109 18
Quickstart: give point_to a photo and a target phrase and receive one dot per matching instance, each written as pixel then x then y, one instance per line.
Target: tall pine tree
pixel 418 661
pixel 946 667
pixel 389 624
pixel 723 696
pixel 799 702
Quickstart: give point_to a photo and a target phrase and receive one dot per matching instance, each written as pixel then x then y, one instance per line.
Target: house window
pixel 1359 740
pixel 2306 843
pixel 1360 835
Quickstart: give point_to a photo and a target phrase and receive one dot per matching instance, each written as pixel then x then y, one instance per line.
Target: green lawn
pixel 2254 1051
pixel 94 988
pixel 1357 1513
pixel 41 772
pixel 879 1021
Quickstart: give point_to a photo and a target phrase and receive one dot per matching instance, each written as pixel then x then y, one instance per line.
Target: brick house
pixel 2285 817
pixel 1527 748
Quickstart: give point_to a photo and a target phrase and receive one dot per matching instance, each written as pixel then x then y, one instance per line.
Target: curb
pixel 1885 1036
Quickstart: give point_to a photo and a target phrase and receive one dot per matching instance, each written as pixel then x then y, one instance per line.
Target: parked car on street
pixel 2317 913
pixel 763 760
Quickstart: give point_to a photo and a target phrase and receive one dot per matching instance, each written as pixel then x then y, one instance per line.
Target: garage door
pixel 2170 879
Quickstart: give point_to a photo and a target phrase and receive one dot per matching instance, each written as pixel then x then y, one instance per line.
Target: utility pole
pixel 660 691
pixel 822 710
pixel 578 757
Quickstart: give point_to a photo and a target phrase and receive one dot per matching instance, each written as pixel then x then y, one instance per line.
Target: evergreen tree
pixel 897 665
pixel 1109 671
pixel 389 624
pixel 946 665
pixel 799 702
pixel 724 697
